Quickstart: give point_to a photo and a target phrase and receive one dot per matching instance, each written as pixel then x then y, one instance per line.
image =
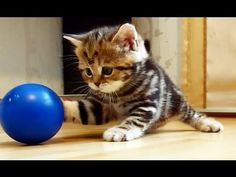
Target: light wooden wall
pixel 30 51
pixel 193 58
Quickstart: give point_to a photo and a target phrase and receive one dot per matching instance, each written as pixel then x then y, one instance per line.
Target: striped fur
pixel 138 91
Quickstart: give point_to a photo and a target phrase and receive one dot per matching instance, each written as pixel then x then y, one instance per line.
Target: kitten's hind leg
pixel 199 121
pixel 156 125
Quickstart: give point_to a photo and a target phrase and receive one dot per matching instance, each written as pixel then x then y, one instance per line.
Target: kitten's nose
pixel 97 83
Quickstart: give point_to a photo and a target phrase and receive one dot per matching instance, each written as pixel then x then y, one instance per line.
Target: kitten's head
pixel 107 56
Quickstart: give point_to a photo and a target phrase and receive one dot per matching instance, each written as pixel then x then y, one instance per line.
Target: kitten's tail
pixel 197 120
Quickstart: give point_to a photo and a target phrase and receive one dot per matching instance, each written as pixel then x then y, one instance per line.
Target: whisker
pixel 114 100
pixel 76 89
pixel 84 90
pixel 70 58
pixel 111 97
pixel 114 97
pixel 106 97
pixel 103 97
pixel 82 82
pixel 73 63
pixel 134 84
pixel 109 103
pixel 64 56
pixel 117 95
pixel 88 93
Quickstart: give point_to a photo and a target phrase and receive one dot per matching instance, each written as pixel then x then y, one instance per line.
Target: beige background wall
pixel 164 35
pixel 30 51
pixel 221 62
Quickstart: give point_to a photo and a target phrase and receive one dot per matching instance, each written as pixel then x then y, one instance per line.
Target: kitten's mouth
pixel 98 88
pixel 107 88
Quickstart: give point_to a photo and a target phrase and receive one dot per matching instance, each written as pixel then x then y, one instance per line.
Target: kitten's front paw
pixel 210 125
pixel 119 134
pixel 71 112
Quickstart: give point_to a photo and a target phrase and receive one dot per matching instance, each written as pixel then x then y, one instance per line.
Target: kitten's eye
pixel 88 72
pixel 107 71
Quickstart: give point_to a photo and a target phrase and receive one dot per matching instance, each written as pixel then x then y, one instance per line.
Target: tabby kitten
pixel 124 82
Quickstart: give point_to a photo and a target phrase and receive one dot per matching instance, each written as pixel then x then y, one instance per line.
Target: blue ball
pixel 31 113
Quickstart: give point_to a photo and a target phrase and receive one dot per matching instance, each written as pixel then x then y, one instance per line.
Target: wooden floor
pixel 173 141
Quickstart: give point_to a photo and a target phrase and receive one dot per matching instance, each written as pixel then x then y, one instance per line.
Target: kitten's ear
pixel 74 39
pixel 126 37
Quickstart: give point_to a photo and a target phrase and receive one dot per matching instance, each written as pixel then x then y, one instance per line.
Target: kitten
pixel 125 83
